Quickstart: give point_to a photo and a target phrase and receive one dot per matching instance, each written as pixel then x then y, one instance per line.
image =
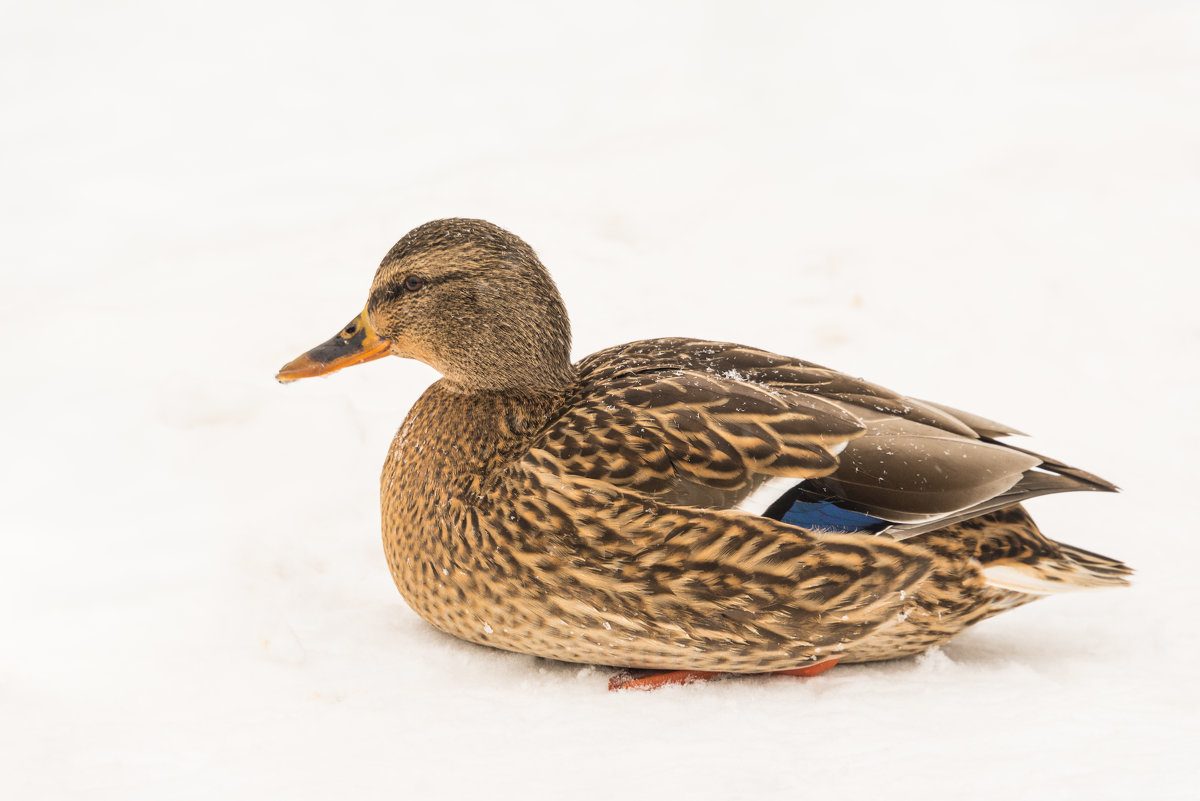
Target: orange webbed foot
pixel 641 680
pixel 653 680
pixel 808 670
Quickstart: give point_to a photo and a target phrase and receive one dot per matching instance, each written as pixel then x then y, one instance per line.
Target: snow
pixel 992 205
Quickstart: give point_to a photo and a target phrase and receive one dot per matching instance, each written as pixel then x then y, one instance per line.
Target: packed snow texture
pixel 991 205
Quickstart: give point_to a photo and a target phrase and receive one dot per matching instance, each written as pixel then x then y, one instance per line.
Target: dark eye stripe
pixel 398 291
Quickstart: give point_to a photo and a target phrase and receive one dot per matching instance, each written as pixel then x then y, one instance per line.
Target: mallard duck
pixel 675 505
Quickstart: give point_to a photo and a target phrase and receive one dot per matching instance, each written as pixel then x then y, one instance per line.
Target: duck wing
pixel 721 426
pixel 690 437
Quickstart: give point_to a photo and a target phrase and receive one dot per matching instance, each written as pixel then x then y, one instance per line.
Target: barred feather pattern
pixel 770 370
pixel 608 512
pixel 551 524
pixel 645 432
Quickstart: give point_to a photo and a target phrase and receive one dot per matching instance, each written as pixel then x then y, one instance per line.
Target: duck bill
pixel 354 344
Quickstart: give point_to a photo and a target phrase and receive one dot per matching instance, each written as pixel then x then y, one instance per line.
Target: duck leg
pixel 649 680
pixel 807 670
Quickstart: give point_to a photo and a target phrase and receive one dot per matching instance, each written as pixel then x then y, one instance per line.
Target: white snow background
pixel 991 205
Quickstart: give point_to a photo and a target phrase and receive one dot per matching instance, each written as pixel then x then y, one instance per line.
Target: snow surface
pixel 992 205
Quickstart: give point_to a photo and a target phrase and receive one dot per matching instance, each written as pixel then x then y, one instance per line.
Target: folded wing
pixel 716 425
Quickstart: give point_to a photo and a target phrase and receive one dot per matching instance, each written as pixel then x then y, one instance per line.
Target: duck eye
pixel 413 283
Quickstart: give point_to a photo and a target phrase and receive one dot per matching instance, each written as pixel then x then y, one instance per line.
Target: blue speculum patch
pixel 827 516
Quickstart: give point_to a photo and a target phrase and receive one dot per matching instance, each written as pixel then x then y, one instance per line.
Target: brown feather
pixel 585 512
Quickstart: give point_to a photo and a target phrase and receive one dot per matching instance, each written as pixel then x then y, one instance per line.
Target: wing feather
pixel 714 424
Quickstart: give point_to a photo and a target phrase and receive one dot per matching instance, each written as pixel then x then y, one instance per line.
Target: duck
pixel 679 509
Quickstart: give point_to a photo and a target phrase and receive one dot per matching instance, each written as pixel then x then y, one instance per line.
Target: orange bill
pixel 354 344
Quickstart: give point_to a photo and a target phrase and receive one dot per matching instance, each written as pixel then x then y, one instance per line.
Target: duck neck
pixel 455 438
pixel 527 361
pixel 439 482
pixel 520 383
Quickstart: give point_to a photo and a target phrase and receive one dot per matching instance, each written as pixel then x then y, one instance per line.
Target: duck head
pixel 467 298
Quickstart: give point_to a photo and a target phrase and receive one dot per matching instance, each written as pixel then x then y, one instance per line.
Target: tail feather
pixel 1073 569
pixel 1104 570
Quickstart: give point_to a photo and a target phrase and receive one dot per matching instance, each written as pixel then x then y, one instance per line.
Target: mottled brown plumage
pixel 612 512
